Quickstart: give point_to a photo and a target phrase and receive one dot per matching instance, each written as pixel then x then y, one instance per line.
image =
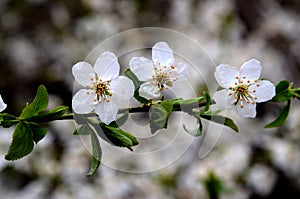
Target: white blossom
pixel 159 73
pixel 105 91
pixel 2 104
pixel 243 88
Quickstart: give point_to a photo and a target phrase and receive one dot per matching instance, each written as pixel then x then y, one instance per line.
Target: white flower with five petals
pixel 2 104
pixel 105 91
pixel 243 89
pixel 159 73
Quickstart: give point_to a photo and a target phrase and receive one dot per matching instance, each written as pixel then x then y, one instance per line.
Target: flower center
pixel 163 76
pixel 101 89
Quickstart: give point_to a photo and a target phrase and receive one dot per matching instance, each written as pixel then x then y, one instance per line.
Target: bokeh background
pixel 40 40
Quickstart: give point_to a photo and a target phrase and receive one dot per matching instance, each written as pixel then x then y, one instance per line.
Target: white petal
pixel 2 104
pixel 149 91
pixel 83 73
pixel 264 90
pixel 182 72
pixel 142 67
pixel 223 99
pixel 162 53
pixel 107 66
pixel 82 102
pixel 226 75
pixel 248 110
pixel 122 89
pixel 251 70
pixel 107 111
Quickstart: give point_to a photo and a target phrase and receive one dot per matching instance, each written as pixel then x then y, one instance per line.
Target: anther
pixel 257 85
pixel 237 77
pixel 248 81
pixel 254 91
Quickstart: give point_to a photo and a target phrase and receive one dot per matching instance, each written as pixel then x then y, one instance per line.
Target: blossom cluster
pixel 105 92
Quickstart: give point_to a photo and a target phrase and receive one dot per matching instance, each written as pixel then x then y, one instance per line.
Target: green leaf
pixel 96 152
pixel 159 115
pixel 85 129
pixel 282 86
pixel 7 120
pixel 38 131
pixel 195 132
pixel 39 103
pixel 281 118
pixel 221 120
pixel 51 115
pixel 283 91
pixel 22 142
pixel 117 136
pixel 137 83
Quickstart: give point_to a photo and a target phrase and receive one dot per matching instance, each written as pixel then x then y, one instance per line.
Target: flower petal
pixel 122 89
pixel 83 73
pixel 181 72
pixel 251 70
pixel 107 66
pixel 264 90
pixel 224 99
pixel 2 104
pixel 226 75
pixel 149 91
pixel 248 110
pixel 83 103
pixel 107 111
pixel 142 67
pixel 162 54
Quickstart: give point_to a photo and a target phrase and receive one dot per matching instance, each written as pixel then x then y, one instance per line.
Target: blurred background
pixel 40 40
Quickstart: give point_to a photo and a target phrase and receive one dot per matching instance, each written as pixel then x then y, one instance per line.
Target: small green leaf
pixel 159 115
pixel 7 120
pixel 96 152
pixel 22 142
pixel 221 120
pixel 38 131
pixel 117 136
pixel 279 121
pixel 39 103
pixel 282 86
pixel 136 82
pixel 51 115
pixel 85 129
pixel 195 132
pixel 283 91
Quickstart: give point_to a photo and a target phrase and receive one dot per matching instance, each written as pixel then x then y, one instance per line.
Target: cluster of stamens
pixel 101 89
pixel 163 76
pixel 241 91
